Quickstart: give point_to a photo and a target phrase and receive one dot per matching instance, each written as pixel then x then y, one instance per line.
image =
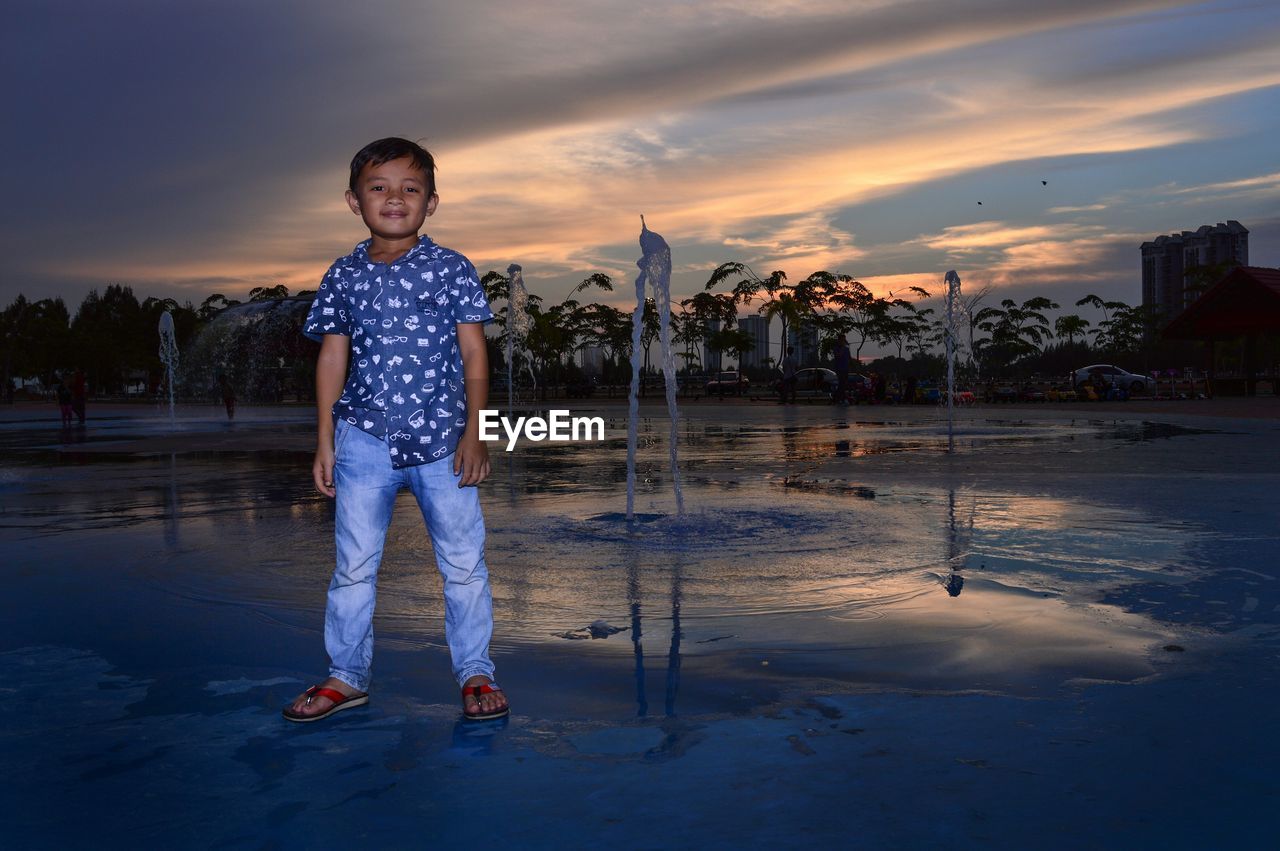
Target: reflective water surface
pixel 829 561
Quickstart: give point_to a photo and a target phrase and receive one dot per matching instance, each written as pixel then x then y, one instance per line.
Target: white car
pixel 1117 377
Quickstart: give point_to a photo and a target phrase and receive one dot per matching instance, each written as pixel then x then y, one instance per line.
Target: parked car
pixel 1116 377
pixel 727 384
pixel 812 383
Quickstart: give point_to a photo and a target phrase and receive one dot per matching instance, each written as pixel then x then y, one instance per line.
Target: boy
pixel 409 316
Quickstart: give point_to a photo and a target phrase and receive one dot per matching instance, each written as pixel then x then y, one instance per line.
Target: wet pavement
pixel 1062 634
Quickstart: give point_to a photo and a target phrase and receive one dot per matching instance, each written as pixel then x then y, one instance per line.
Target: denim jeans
pixel 366 486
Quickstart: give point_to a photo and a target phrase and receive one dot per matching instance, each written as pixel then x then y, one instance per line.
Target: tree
pixel 778 299
pixel 110 337
pixel 706 310
pixel 268 293
pixel 912 329
pixel 213 304
pixel 853 309
pixel 968 305
pixel 48 345
pixel 1014 331
pixel 1070 326
pixel 612 330
pixel 737 343
pixel 14 327
pixel 1125 329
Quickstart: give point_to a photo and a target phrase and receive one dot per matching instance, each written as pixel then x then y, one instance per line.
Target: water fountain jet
pixel 517 324
pixel 169 357
pixel 655 270
pixel 952 281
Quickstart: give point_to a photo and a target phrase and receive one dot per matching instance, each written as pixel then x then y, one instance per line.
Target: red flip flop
pixel 476 691
pixel 340 702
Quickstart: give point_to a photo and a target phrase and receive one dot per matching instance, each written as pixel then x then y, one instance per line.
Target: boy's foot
pixel 314 704
pixel 482 700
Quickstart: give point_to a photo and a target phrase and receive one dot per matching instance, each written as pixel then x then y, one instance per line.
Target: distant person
pixel 1099 382
pixel 228 395
pixel 909 394
pixel 400 383
pixel 790 366
pixel 79 391
pixel 64 402
pixel 843 358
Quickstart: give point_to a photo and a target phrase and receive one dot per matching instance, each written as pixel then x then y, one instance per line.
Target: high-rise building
pixel 757 328
pixel 593 360
pixel 712 359
pixel 805 339
pixel 1167 260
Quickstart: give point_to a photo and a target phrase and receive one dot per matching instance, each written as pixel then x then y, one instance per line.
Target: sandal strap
pixel 322 691
pixel 476 691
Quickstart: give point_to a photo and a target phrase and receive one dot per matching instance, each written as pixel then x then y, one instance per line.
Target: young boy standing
pixel 407 315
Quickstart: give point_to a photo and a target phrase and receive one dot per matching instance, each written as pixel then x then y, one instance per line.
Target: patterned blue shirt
pixel 405 380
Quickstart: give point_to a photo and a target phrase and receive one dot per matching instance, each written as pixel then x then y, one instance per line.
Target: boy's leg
pixel 456 525
pixel 366 486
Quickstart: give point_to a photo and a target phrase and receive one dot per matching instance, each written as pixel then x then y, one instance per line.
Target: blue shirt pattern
pixel 405 379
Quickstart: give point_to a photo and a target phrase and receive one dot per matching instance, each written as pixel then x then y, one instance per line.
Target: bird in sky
pixel 979 203
pixel 1044 183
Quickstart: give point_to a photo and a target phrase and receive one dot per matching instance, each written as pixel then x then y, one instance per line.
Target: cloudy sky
pixel 198 147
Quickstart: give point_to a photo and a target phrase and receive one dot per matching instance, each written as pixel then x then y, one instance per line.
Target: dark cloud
pixel 163 138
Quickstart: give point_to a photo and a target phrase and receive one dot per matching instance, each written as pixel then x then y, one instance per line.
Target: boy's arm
pixel 471 460
pixel 331 375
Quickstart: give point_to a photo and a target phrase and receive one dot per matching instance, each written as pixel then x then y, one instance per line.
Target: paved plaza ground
pixel 1063 634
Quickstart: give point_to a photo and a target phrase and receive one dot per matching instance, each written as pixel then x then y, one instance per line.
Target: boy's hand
pixel 322 470
pixel 471 461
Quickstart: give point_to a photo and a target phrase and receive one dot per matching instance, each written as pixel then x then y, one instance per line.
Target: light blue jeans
pixel 366 486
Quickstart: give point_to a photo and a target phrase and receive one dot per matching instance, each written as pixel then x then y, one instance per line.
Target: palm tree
pixel 1070 326
pixel 704 310
pixel 1015 331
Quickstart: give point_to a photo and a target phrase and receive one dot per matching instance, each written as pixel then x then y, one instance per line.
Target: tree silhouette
pixel 1070 326
pixel 1014 331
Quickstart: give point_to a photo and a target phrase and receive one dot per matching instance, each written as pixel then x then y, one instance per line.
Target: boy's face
pixel 392 199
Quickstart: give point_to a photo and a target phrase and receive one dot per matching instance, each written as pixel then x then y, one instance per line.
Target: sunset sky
pixel 198 147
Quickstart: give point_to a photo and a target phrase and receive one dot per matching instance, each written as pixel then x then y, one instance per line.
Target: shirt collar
pixel 424 242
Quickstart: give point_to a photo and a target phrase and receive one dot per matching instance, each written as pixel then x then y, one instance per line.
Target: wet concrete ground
pixel 1063 634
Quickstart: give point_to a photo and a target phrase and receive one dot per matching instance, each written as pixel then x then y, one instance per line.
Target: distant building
pixel 805 339
pixel 1167 260
pixel 593 360
pixel 757 328
pixel 711 359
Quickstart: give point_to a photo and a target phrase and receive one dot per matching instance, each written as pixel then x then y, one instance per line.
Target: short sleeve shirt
pixel 405 383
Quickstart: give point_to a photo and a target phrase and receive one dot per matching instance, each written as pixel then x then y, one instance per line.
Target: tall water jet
pixel 169 357
pixel 655 270
pixel 952 281
pixel 517 324
pixel 258 346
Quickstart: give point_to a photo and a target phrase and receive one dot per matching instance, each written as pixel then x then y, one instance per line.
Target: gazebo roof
pixel 1246 301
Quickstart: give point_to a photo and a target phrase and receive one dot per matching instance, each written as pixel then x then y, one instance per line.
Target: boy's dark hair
pixel 393 148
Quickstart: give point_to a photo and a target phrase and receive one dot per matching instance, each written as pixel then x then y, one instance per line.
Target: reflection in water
pixel 633 601
pixel 476 738
pixel 956 548
pixel 673 656
pixel 673 653
pixel 173 513
pixel 805 568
